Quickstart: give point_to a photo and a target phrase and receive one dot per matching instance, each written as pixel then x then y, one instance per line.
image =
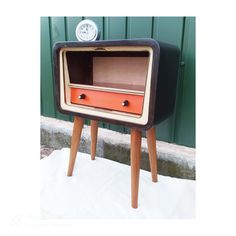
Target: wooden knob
pixel 125 103
pixel 81 96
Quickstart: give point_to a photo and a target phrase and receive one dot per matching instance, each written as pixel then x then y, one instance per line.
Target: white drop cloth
pixel 101 189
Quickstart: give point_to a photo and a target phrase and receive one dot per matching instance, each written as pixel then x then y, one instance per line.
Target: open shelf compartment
pixel 113 82
pixel 108 70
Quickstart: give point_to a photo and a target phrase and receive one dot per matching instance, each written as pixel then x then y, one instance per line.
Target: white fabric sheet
pixel 101 189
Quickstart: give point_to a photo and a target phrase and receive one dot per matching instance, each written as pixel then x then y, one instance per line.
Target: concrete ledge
pixel 173 160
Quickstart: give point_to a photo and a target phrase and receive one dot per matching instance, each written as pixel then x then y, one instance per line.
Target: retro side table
pixel 126 82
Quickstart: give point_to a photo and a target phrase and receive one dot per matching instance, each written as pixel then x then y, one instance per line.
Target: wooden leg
pixel 151 141
pixel 75 140
pixel 135 157
pixel 94 133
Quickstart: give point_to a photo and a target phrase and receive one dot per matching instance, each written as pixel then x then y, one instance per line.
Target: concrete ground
pixel 173 160
pixel 45 151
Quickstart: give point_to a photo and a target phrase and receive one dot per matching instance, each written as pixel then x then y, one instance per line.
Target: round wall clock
pixel 87 30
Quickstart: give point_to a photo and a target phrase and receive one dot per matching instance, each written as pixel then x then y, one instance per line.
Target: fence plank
pixel 139 27
pixel 115 28
pixel 71 23
pixel 46 86
pixel 185 117
pixel 58 34
pixel 169 30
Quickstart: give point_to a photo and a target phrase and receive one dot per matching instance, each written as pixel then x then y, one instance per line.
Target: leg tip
pixel 134 206
pixel 154 180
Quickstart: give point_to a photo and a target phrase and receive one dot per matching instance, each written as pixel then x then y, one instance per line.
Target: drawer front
pixel 129 103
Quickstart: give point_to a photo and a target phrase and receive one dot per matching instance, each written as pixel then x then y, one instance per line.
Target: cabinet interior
pixel 121 70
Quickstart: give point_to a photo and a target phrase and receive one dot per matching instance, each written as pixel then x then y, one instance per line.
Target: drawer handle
pixel 81 96
pixel 125 103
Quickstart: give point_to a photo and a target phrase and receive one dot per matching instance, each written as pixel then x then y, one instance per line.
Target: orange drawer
pixel 129 103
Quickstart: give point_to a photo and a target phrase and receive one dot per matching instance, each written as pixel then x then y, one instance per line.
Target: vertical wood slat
pixel 139 27
pixel 115 28
pixel 58 34
pixel 169 30
pixel 71 23
pixel 185 114
pixel 46 85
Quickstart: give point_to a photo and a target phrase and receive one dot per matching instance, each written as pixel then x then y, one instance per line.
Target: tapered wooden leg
pixel 75 140
pixel 135 157
pixel 94 133
pixel 151 141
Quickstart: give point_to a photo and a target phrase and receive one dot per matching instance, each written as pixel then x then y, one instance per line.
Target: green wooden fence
pixel 180 31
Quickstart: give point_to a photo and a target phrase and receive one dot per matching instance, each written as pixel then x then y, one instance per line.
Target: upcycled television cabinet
pixel 126 82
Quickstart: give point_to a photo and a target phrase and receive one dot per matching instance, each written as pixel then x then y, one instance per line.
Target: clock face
pixel 87 30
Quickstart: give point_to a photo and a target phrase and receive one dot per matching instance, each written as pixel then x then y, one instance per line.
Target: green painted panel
pixel 164 130
pixel 139 27
pixel 115 28
pixel 169 30
pixel 58 34
pixel 180 127
pixel 185 122
pixel 71 23
pixel 46 85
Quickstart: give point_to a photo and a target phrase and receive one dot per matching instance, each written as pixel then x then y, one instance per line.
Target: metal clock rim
pixel 87 21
